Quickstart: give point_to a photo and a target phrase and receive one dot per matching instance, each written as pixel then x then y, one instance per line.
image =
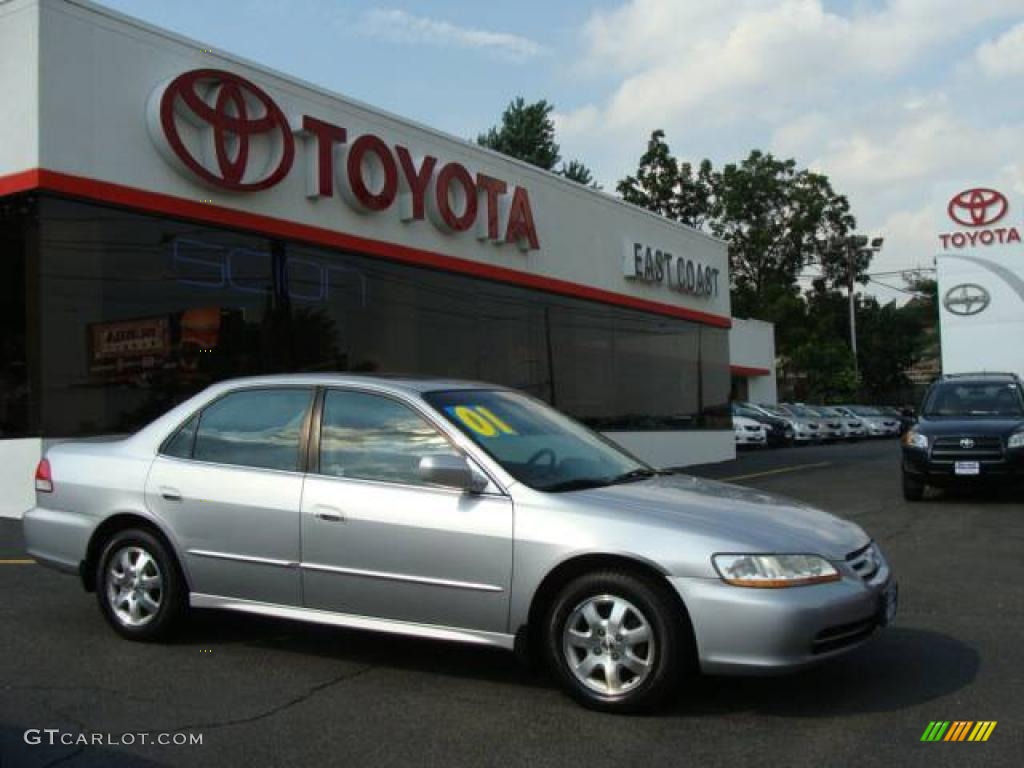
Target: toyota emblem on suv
pixel 966 299
pixel 966 442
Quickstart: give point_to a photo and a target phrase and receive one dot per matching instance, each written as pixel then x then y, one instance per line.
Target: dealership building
pixel 171 216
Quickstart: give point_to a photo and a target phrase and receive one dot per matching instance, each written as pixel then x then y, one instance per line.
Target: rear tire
pixel 139 586
pixel 913 489
pixel 618 642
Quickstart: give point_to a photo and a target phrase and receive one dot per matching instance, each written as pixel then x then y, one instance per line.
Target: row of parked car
pixel 797 423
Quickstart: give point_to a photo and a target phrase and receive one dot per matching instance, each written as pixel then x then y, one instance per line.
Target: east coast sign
pixel 226 132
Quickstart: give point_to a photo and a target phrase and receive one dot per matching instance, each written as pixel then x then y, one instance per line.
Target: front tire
pixel 913 489
pixel 618 642
pixel 139 586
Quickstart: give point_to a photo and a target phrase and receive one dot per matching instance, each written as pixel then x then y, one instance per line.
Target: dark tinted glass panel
pixel 369 437
pixel 180 445
pixel 258 428
pixel 17 222
pixel 140 312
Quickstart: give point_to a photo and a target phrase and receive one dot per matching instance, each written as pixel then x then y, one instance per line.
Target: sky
pixel 889 98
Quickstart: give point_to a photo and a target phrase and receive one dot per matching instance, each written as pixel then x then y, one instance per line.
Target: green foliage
pixel 578 172
pixel 526 132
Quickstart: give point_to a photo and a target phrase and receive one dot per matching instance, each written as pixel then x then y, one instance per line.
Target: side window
pixel 180 445
pixel 254 428
pixel 370 437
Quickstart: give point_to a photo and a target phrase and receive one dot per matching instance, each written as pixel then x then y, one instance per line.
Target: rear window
pixel 975 399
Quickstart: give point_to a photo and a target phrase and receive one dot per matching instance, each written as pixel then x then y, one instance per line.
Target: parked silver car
pixel 877 423
pixel 804 430
pixel 456 511
pixel 849 428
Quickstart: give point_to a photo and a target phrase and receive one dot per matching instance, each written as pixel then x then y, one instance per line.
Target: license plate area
pixel 966 468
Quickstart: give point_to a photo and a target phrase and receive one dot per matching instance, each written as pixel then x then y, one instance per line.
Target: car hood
pixel 976 425
pixel 737 518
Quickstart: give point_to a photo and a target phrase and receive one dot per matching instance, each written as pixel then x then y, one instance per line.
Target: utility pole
pixel 851 255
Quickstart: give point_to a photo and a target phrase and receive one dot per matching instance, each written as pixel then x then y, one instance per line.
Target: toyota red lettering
pixel 227 132
pixel 978 209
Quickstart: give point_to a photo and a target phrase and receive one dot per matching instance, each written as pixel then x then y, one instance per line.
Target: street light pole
pixel 855 245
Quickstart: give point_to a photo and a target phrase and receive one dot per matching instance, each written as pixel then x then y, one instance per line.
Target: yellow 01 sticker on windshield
pixel 481 420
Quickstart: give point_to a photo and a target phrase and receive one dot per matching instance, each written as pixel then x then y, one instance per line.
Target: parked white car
pixel 748 431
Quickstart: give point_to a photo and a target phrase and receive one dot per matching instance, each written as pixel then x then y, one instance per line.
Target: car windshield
pixel 536 444
pixel 829 413
pixel 864 410
pixel 802 411
pixel 975 399
pixel 773 409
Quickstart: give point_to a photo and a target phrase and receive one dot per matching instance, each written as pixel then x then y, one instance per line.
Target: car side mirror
pixel 449 471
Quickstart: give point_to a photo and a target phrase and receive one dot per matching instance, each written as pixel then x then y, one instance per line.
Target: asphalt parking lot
pixel 264 692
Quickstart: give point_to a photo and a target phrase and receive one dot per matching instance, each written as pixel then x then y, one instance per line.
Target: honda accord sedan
pixel 454 511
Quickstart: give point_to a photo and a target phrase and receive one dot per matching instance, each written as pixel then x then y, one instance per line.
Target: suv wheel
pixel 139 586
pixel 617 642
pixel 913 489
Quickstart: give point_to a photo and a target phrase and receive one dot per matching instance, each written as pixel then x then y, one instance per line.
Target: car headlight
pixel 774 571
pixel 1016 440
pixel 914 439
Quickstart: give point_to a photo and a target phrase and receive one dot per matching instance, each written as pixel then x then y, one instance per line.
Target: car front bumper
pixel 767 631
pixel 942 472
pixel 750 438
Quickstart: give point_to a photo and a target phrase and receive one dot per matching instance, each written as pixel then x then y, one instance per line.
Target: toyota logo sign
pixel 977 207
pixel 966 442
pixel 966 299
pixel 222 128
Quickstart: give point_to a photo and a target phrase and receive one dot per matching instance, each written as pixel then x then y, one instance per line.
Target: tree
pixel 578 172
pixel 779 220
pixel 526 132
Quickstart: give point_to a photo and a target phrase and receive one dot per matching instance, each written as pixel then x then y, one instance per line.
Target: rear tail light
pixel 44 477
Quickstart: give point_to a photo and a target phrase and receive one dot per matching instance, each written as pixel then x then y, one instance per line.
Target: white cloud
pixel 870 97
pixel 403 27
pixel 1004 55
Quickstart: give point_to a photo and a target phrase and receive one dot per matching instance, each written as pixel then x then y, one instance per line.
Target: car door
pixel 229 485
pixel 377 541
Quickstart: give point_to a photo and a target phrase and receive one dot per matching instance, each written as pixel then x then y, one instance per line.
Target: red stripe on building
pixel 743 370
pixel 154 202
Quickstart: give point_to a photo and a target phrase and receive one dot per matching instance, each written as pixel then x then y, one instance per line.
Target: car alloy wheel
pixel 135 586
pixel 139 585
pixel 608 645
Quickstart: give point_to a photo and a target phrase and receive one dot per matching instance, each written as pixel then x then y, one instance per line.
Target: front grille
pixel 835 426
pixel 752 429
pixel 842 635
pixel 968 448
pixel 812 426
pixel 865 561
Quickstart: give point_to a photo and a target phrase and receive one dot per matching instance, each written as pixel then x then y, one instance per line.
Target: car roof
pixel 403 382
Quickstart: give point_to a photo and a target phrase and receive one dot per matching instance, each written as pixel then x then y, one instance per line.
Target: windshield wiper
pixel 576 484
pixel 633 475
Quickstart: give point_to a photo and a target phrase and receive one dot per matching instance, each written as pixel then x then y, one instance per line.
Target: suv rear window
pixel 975 399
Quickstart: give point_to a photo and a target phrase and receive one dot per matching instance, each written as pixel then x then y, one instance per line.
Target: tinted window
pixel 371 437
pixel 180 445
pixel 256 428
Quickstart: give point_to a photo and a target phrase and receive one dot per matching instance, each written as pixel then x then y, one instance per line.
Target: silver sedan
pixel 456 511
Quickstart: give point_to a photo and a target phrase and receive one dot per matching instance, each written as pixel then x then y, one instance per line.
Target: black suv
pixel 970 430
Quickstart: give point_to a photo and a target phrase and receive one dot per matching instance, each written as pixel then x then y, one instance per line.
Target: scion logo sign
pixel 966 299
pixel 978 209
pixel 230 133
pixel 224 129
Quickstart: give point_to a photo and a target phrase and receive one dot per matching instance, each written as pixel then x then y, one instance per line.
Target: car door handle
pixel 170 494
pixel 329 514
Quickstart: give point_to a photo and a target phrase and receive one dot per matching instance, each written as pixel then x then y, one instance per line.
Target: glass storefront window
pixel 17 226
pixel 137 312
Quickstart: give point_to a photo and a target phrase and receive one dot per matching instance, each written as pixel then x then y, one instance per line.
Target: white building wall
pixel 752 355
pixel 19 87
